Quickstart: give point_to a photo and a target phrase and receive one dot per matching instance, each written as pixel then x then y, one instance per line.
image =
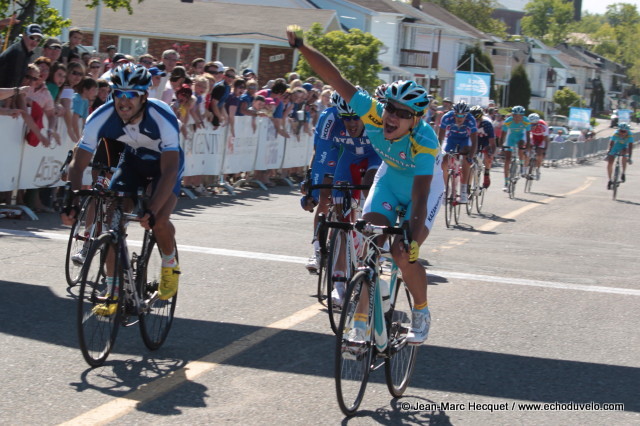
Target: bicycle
pixel 330 255
pixel 476 187
pixel 452 206
pixel 136 295
pixel 513 172
pixel 389 309
pixel 616 181
pixel 530 173
pixel 88 226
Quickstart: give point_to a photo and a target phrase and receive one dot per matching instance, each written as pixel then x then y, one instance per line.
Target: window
pixel 133 46
pixel 237 57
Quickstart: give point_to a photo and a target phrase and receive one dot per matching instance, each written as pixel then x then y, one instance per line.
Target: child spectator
pixel 86 92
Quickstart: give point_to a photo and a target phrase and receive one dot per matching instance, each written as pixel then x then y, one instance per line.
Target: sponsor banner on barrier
pixel 271 147
pixel 12 142
pixel 240 154
pixel 297 150
pixel 203 151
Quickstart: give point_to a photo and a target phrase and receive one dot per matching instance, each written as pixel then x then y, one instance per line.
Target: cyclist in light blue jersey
pixel 410 175
pixel 515 134
pixel 620 143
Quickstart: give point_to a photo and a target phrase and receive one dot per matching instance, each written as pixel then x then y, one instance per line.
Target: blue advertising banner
pixel 472 88
pixel 579 118
pixel 624 116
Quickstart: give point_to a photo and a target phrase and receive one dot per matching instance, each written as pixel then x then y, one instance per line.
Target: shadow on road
pixel 34 312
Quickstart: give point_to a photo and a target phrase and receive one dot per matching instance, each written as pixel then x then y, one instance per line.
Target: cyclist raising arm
pixel 410 175
pixel 150 130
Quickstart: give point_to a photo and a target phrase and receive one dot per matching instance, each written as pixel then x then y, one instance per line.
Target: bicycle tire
pixel 332 256
pixel 352 375
pixel 321 290
pixel 513 178
pixel 448 208
pixel 456 204
pixel 530 171
pixel 97 332
pixel 616 182
pixel 472 188
pixel 157 317
pixel 402 356
pixel 77 239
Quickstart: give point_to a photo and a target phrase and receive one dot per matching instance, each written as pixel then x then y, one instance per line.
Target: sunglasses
pixel 146 62
pixel 400 113
pixel 95 67
pixel 349 117
pixel 35 38
pixel 76 73
pixel 53 47
pixel 461 115
pixel 128 94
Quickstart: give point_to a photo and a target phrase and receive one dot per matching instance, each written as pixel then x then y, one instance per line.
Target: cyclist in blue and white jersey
pixel 459 128
pixel 620 143
pixel 341 150
pixel 150 131
pixel 486 140
pixel 410 175
pixel 515 133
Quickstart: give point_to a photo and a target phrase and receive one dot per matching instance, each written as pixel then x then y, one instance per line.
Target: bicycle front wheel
pixel 78 245
pixel 156 316
pixel 449 201
pixel 402 357
pixel 513 178
pixel 353 362
pixel 616 181
pixel 99 303
pixel 530 176
pixel 472 188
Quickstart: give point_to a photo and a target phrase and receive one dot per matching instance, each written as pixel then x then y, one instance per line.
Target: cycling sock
pixel 486 173
pixel 360 321
pixel 339 274
pixel 421 306
pixel 463 189
pixel 169 260
pixel 316 245
pixel 112 282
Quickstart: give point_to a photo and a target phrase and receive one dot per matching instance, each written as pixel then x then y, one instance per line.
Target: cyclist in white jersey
pixel 150 131
pixel 410 174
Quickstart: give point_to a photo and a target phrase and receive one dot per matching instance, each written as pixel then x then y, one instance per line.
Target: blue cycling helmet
pixel 518 110
pixel 341 104
pixel 461 107
pixel 408 93
pixel 624 126
pixel 130 77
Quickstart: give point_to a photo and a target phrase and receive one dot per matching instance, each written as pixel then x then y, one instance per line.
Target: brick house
pixel 238 35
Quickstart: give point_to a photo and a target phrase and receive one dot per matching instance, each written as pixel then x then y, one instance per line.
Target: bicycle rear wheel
pixel 79 243
pixel 513 178
pixel 472 188
pixel 456 204
pixel 402 357
pixel 480 199
pixel 530 176
pixel 616 181
pixel 449 200
pixel 156 316
pixel 338 240
pixel 353 364
pixel 99 304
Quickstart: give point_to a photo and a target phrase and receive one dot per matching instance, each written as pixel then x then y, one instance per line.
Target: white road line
pixel 302 261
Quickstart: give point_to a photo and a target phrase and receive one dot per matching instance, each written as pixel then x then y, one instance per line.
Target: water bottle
pixel 384 294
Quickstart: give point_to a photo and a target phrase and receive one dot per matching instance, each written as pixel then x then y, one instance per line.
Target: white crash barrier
pixel 576 151
pixel 207 152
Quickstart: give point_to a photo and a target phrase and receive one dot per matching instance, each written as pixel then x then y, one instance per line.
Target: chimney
pixel 416 4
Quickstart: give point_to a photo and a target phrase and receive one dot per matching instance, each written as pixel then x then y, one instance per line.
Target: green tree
pixel 481 63
pixel 519 88
pixel 354 53
pixel 476 13
pixel 566 98
pixel 548 20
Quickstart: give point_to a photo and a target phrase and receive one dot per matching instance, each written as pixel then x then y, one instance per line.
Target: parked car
pixel 558 120
pixel 574 135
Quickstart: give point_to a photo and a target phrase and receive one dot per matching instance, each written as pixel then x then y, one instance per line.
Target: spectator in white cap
pixel 14 60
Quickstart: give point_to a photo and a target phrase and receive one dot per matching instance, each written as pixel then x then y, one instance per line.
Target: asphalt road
pixel 535 301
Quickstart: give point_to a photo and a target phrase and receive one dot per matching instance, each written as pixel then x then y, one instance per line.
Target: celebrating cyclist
pixel 539 139
pixel 486 141
pixel 409 176
pixel 150 131
pixel 459 128
pixel 621 143
pixel 515 134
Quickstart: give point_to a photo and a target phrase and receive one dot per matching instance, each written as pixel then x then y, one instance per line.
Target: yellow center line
pixel 121 406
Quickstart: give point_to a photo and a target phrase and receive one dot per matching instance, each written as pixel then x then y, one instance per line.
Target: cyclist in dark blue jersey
pixel 150 131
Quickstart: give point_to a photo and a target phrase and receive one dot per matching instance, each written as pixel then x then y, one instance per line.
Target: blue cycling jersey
pixel 516 130
pixel 620 143
pixel 458 132
pixel 485 132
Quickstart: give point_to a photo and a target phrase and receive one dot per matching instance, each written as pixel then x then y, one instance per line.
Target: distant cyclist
pixel 621 143
pixel 150 131
pixel 539 139
pixel 486 141
pixel 515 134
pixel 459 131
pixel 410 175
